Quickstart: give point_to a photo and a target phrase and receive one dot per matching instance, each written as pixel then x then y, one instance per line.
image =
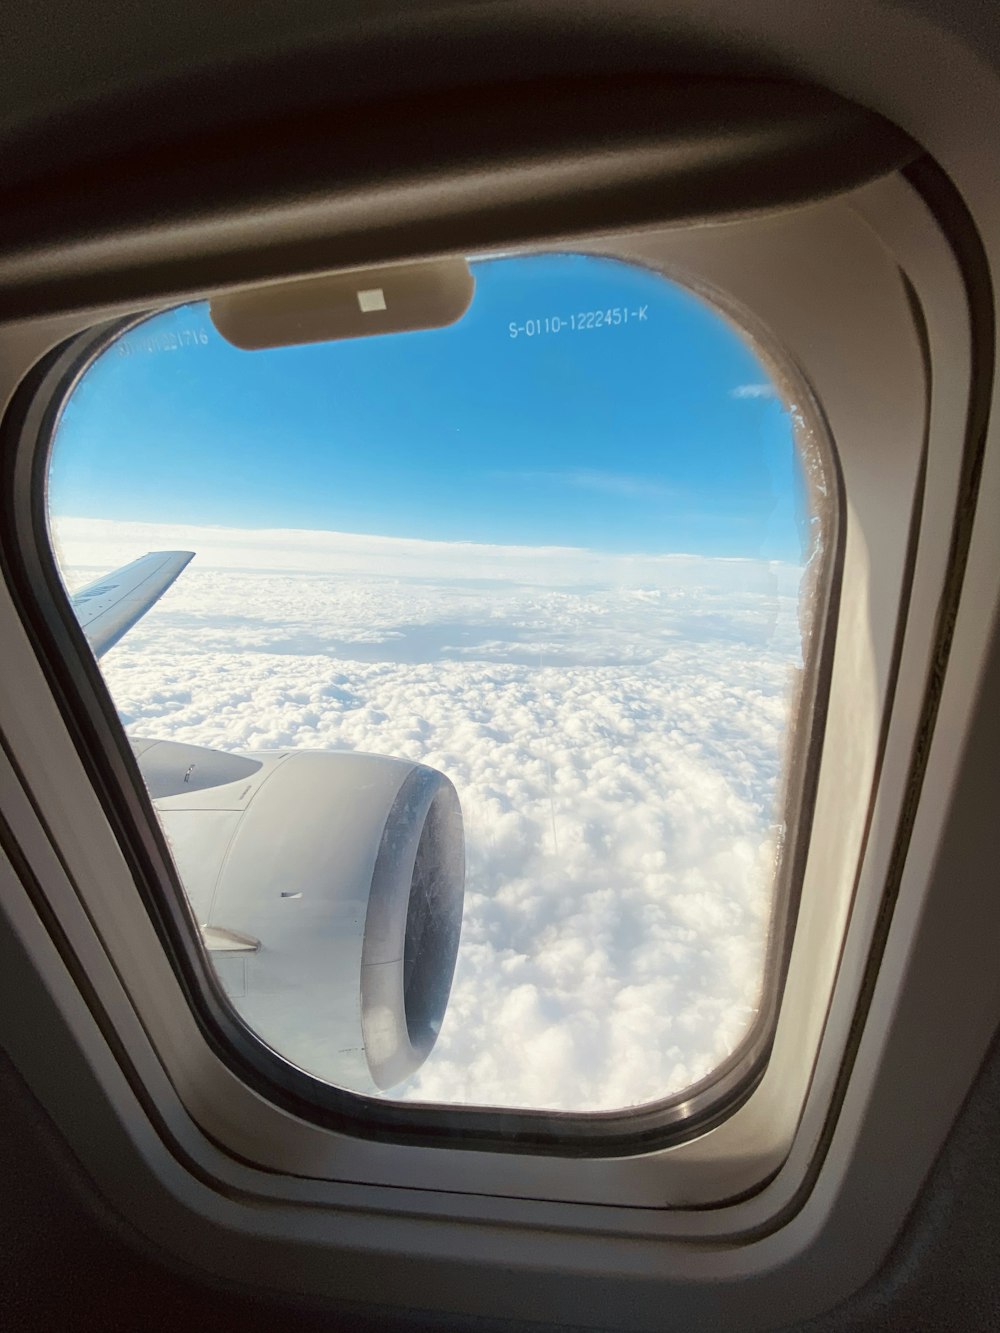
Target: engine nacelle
pixel 329 889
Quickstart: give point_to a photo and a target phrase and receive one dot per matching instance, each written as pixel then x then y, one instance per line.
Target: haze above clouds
pixel 613 724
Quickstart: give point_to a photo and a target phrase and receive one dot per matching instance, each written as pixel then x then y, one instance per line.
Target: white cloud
pixel 753 391
pixel 615 740
pixel 86 543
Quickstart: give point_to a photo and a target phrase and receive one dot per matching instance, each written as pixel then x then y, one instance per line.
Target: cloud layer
pixel 614 727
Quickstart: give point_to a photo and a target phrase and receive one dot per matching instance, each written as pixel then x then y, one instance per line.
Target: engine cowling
pixel 329 889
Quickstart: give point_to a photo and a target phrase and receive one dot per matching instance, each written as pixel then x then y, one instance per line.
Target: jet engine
pixel 328 887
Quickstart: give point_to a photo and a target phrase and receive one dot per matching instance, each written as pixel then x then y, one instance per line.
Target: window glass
pixel 548 561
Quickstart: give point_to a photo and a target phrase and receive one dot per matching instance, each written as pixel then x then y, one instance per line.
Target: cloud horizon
pixel 91 543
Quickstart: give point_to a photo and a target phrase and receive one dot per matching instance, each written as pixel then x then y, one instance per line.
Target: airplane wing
pixel 109 607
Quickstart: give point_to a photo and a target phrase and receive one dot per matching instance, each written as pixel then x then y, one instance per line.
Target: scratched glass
pixel 560 552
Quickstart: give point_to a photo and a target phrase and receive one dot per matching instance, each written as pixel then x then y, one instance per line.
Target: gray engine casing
pixel 329 889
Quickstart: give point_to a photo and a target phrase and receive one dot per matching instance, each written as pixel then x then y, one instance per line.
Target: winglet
pixel 109 607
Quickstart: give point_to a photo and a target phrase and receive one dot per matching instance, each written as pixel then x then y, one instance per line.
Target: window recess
pixel 554 695
pixel 822 289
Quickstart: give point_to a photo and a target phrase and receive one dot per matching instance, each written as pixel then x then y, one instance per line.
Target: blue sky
pixel 653 434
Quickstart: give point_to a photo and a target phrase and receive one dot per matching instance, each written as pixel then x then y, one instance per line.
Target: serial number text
pixel 611 317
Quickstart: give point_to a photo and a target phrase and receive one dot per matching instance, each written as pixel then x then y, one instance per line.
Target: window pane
pixel 553 552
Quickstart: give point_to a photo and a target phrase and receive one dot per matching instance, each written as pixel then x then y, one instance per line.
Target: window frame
pixel 676 1177
pixel 621 1131
pixel 673 1193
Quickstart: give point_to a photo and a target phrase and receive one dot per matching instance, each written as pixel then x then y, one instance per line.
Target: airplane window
pixel 462 665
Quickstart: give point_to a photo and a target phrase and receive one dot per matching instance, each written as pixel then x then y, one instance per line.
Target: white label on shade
pixel 372 299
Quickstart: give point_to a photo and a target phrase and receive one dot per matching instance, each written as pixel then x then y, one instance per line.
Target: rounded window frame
pixel 623 1131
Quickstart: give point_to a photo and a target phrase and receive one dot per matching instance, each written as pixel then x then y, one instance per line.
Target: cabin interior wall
pixel 68 1262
